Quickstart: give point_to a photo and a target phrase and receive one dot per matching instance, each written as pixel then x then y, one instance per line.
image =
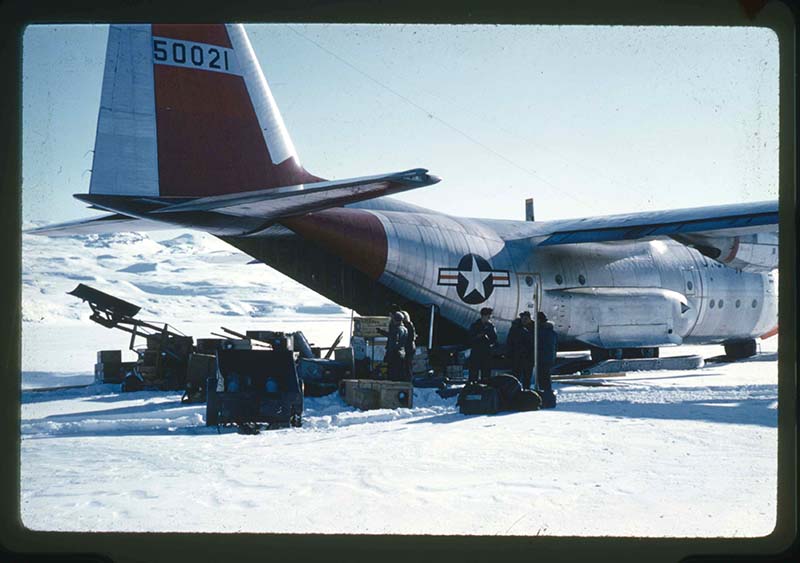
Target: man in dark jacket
pixel 520 348
pixel 482 336
pixel 411 345
pixel 396 348
pixel 545 359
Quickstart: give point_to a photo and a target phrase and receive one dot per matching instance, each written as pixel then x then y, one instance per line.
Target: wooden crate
pixel 368 394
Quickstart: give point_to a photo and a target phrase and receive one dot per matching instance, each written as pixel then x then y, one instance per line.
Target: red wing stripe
pixel 501 279
pixel 448 277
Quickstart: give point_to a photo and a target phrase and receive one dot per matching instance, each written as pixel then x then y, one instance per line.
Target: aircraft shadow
pixel 623 380
pixel 172 406
pixel 110 394
pixel 754 412
pixel 763 357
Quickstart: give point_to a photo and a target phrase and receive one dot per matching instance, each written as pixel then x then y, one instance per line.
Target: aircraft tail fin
pixel 186 111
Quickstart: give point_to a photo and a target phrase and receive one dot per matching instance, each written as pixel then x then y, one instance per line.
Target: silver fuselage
pixel 632 294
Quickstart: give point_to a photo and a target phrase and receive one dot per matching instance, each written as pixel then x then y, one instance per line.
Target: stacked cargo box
pixel 110 368
pixel 419 364
pixel 368 394
pixel 369 345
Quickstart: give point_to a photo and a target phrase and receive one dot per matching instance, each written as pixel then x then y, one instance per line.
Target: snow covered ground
pixel 667 453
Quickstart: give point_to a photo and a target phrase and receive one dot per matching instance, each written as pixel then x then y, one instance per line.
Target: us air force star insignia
pixel 474 279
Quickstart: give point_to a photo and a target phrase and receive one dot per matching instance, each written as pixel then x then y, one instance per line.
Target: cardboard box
pixel 367 327
pixel 359 347
pixel 368 394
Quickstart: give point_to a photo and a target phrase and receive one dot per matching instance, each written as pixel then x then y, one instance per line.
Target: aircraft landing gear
pixel 740 349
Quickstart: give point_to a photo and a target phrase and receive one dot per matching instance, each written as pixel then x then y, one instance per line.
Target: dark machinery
pixel 162 363
pixel 255 386
pixel 320 376
pixel 170 361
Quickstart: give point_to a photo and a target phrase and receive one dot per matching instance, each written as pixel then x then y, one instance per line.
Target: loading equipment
pixel 163 362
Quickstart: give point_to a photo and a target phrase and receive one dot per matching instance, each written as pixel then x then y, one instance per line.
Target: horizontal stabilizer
pixel 103 224
pixel 288 201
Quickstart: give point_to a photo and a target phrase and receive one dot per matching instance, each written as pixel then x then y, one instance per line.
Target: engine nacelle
pixel 751 253
pixel 624 317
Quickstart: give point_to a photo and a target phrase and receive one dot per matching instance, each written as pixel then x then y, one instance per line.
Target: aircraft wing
pixel 728 220
pixel 743 235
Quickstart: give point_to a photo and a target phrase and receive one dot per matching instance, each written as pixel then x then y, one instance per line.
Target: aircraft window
pixel 529 280
pixel 581 279
pixel 738 303
pixel 559 279
pixel 711 304
pixel 689 285
pixel 755 302
pixel 721 303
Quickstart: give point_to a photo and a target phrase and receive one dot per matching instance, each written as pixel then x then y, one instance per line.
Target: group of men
pixel 523 338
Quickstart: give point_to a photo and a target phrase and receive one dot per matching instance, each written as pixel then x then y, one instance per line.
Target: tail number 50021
pixel 196 55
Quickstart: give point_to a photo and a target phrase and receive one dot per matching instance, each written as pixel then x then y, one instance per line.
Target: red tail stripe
pixel 209 140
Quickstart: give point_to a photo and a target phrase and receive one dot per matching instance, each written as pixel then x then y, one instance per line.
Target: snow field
pixel 666 461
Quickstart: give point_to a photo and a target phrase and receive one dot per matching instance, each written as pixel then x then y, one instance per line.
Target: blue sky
pixel 586 120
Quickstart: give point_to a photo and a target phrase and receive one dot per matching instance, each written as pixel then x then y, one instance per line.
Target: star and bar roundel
pixel 474 279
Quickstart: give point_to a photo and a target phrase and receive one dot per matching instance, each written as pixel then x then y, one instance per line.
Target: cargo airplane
pixel 189 136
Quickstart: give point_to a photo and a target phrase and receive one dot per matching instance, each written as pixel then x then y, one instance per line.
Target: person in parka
pixel 482 337
pixel 396 348
pixel 520 344
pixel 547 347
pixel 411 345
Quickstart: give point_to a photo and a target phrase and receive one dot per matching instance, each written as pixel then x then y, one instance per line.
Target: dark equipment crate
pixel 109 356
pixel 112 372
pixel 208 345
pixel 476 398
pixel 254 386
pixel 201 368
pixel 321 377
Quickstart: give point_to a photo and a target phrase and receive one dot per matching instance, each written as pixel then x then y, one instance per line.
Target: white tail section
pixel 125 150
pixel 269 117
